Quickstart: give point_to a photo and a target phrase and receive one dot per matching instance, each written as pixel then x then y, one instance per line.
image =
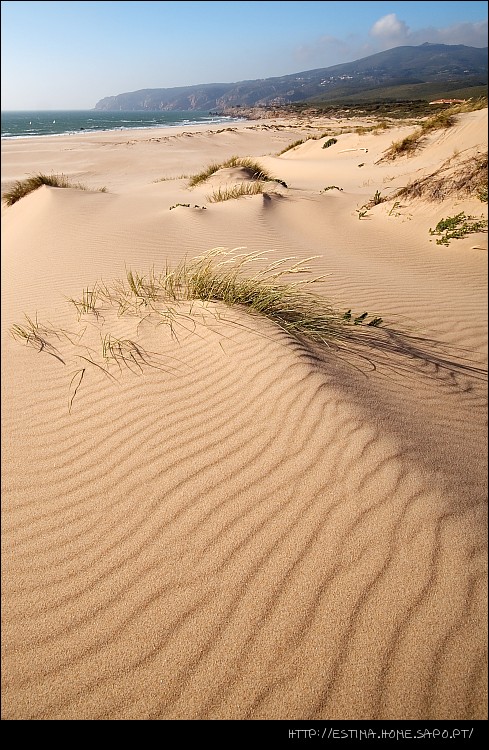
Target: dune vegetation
pixel 458 226
pixel 454 178
pixel 219 276
pixel 21 188
pixel 441 120
pixel 252 168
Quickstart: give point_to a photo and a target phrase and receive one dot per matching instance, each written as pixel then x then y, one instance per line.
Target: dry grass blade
pixel 36 335
pixel 96 364
pixel 80 374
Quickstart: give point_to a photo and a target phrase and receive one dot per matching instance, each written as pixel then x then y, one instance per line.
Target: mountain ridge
pixel 425 63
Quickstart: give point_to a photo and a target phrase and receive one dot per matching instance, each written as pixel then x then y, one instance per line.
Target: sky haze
pixel 69 55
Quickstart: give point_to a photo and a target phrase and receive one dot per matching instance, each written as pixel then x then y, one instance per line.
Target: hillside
pixel 457 66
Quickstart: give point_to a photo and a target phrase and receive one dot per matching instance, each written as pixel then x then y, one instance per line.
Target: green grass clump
pixel 200 177
pixel 406 145
pixel 253 169
pixel 443 119
pixel 220 276
pixel 143 287
pixel 470 105
pixel 456 227
pixel 21 188
pixel 482 193
pixel 281 291
pixel 124 353
pixel 330 142
pixel 375 129
pixel 273 289
pixel 362 212
pixel 375 200
pixel 292 145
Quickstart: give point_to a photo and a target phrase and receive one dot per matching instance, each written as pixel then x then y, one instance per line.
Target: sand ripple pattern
pixel 258 530
pixel 246 545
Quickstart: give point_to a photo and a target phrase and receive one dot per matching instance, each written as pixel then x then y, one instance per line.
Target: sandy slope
pixel 252 528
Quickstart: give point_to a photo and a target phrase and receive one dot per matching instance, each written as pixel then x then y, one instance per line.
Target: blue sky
pixel 68 55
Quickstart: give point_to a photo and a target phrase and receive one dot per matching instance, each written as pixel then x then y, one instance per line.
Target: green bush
pixel 330 142
pixel 456 227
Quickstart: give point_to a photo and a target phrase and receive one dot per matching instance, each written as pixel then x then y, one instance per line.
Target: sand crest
pixel 244 526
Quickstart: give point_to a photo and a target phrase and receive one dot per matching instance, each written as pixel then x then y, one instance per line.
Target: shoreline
pixel 86 131
pixel 139 133
pixel 284 114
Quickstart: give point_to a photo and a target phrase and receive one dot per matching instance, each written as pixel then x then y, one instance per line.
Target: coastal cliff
pixel 427 70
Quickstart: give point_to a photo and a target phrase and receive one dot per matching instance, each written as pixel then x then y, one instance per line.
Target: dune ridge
pixel 258 527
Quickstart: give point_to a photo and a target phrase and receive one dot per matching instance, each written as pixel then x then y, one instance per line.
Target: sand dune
pixel 246 526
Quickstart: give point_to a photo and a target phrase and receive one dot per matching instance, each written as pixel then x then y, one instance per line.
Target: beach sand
pixel 256 528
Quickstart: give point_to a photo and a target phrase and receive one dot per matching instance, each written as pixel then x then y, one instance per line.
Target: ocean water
pixel 36 124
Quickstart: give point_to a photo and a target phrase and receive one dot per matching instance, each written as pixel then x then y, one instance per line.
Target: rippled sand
pixel 256 528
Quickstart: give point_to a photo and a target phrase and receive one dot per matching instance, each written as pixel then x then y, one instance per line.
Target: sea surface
pixel 37 123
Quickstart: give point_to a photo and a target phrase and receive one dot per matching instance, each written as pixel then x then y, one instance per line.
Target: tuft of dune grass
pixel 244 280
pixel 292 145
pixel 196 179
pixel 221 276
pixel 225 276
pixel 279 290
pixel 21 188
pixel 235 191
pixel 253 169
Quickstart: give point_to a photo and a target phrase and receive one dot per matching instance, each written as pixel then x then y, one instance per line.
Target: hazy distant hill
pixel 457 65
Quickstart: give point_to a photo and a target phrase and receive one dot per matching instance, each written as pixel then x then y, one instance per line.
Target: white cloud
pixel 390 27
pixel 389 31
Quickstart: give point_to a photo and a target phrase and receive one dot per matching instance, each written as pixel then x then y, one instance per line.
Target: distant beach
pixel 38 123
